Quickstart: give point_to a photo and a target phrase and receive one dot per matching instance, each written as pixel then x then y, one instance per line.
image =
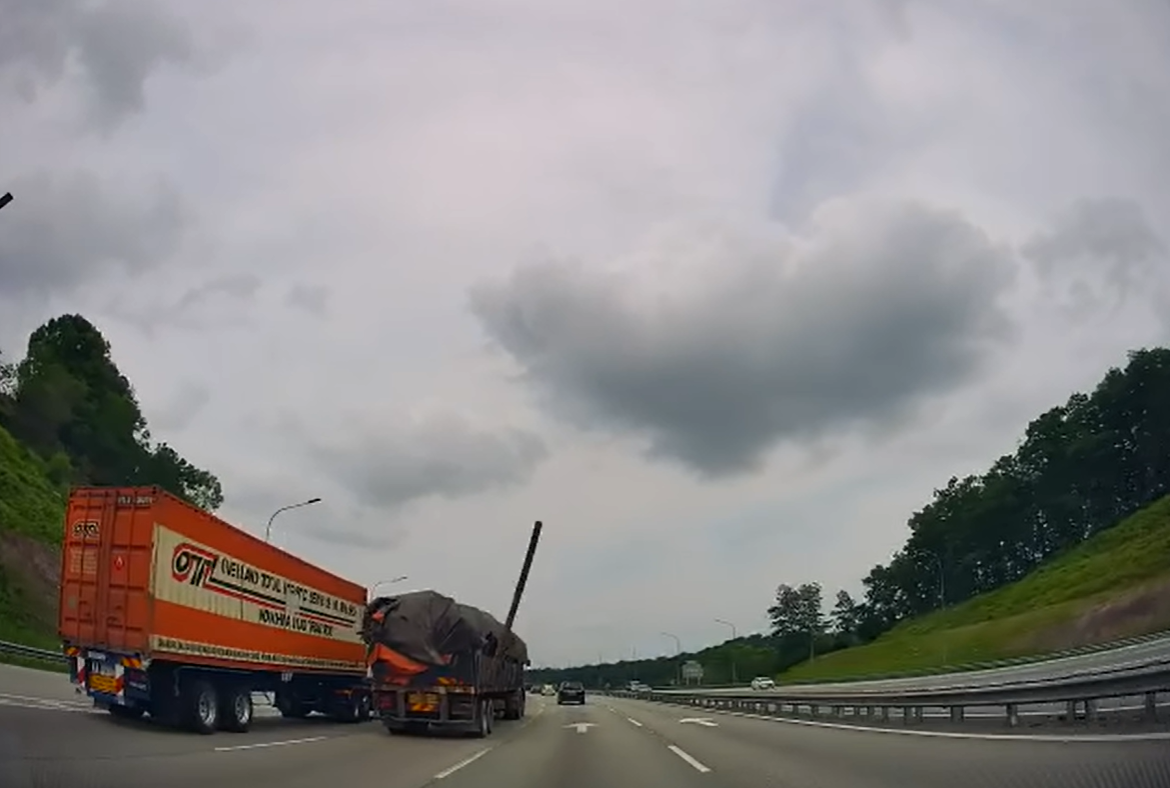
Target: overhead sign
pixel 692 671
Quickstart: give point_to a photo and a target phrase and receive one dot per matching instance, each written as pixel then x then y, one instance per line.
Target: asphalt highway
pixel 49 737
pixel 1125 656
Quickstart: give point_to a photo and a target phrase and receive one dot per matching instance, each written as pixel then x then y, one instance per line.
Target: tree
pixel 811 614
pixel 846 614
pixel 785 612
pixel 72 406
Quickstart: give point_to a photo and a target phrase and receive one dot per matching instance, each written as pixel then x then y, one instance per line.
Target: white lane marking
pixel 469 760
pixel 72 701
pixel 260 745
pixel 582 727
pixel 706 722
pixel 1029 737
pixel 16 704
pixel 687 757
pixel 634 722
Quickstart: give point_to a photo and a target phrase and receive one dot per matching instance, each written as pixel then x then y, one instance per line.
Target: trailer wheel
pixel 202 707
pixel 352 709
pixel 236 710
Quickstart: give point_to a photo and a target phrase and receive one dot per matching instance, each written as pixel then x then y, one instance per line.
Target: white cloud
pixel 347 179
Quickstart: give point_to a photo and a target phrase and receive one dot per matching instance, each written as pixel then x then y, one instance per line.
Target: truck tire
pixel 484 723
pixel 355 708
pixel 236 710
pixel 291 707
pixel 514 706
pixel 201 706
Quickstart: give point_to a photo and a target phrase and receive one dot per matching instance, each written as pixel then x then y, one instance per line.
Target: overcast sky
pixel 719 291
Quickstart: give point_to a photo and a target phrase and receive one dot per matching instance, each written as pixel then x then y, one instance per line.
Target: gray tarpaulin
pixel 425 626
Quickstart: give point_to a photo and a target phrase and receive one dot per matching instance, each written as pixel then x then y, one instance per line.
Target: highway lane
pixel 1134 654
pixel 51 739
pixel 742 751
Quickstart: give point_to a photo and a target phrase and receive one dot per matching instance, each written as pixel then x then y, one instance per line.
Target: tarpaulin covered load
pixel 429 627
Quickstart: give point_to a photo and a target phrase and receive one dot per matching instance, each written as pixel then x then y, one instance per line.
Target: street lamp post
pixel 734 635
pixel 398 579
pixel 677 653
pixel 268 529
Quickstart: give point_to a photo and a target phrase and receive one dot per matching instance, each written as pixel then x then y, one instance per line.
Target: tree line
pixel 1080 468
pixel 67 402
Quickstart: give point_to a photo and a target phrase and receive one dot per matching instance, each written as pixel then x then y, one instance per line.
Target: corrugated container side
pixel 106 569
pixel 199 590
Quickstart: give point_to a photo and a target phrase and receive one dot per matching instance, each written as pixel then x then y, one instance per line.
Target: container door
pixel 106 578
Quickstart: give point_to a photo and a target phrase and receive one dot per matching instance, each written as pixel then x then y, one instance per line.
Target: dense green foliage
pixel 69 405
pixel 1081 468
pixel 1032 532
pixel 68 417
pixel 1093 586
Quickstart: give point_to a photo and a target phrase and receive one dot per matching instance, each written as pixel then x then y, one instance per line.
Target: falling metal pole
pixel 5 199
pixel 523 581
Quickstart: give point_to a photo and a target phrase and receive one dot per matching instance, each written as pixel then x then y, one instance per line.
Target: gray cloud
pixel 314 299
pixel 444 457
pixel 182 408
pixel 63 230
pixel 115 44
pixel 788 340
pixel 238 286
pixel 1109 241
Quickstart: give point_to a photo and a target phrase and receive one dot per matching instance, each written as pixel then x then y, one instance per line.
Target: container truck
pixel 169 611
pixel 440 665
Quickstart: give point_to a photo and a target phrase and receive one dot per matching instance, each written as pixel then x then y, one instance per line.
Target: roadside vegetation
pixel 1063 543
pixel 68 417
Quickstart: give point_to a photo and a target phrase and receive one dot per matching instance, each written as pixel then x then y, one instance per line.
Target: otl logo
pixel 86 529
pixel 191 564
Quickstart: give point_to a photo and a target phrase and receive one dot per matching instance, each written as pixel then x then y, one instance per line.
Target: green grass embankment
pixel 31 514
pixel 1112 586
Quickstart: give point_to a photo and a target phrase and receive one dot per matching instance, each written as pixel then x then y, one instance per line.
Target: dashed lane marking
pixel 688 758
pixel 264 744
pixel 466 761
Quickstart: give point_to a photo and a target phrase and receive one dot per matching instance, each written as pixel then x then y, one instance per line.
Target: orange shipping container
pixel 145 573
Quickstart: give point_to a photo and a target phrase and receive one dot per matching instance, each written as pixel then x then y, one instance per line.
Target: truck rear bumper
pixel 109 678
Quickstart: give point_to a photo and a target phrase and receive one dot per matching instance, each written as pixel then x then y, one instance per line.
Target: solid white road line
pixel 687 757
pixel 634 721
pixel 472 759
pixel 1028 737
pixel 261 745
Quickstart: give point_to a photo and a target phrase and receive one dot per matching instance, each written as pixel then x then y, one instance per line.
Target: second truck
pixel 438 665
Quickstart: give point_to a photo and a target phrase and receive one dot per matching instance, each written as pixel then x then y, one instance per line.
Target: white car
pixel 763 683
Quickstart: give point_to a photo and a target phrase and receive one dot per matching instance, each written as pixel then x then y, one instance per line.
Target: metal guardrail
pixel 29 652
pixel 1076 691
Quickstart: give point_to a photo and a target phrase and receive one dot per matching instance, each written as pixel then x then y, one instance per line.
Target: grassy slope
pixel 31 512
pixel 1111 586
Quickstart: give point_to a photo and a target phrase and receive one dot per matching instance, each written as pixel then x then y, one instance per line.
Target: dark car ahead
pixel 571 692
